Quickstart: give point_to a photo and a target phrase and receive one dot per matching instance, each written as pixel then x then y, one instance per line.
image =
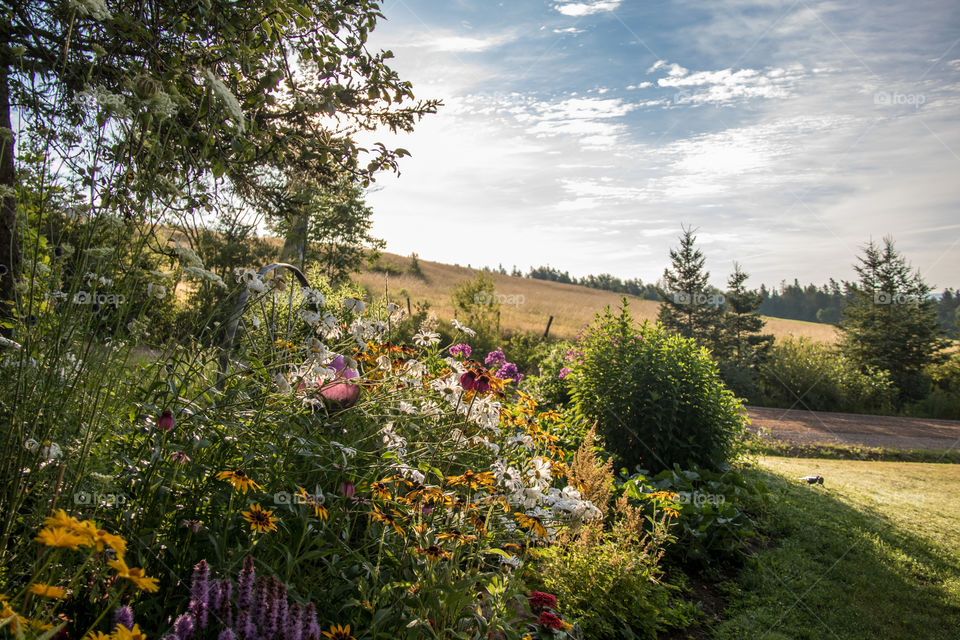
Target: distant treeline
pixel 793 301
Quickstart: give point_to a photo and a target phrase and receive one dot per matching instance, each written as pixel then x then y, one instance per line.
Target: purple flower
pixel 223 596
pixel 461 350
pixel 183 626
pixel 495 358
pixel 509 371
pixel 261 603
pixel 124 616
pixel 277 607
pixel 564 372
pixel 200 593
pixel 348 489
pixel 245 584
pixel 226 634
pixel 166 422
pixel 246 627
pixel 293 625
pixel 311 628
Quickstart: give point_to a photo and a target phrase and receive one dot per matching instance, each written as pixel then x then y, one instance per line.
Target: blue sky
pixel 584 134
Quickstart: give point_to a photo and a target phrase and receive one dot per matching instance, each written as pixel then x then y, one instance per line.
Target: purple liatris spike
pixel 183 626
pixel 272 622
pixel 245 584
pixel 200 593
pixel 311 628
pixel 293 627
pixel 279 608
pixel 223 595
pixel 245 626
pixel 124 616
pixel 260 603
pixel 226 634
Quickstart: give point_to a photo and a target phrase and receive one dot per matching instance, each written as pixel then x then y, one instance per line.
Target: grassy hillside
pixel 527 304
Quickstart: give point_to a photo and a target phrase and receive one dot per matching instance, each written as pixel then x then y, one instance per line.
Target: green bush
pixel 547 385
pixel 657 398
pixel 811 375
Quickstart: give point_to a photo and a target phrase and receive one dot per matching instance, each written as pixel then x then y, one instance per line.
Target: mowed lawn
pixel 873 553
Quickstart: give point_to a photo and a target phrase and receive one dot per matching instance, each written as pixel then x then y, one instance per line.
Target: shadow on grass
pixel 838 571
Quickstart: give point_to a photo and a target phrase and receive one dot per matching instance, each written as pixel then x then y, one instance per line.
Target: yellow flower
pixel 471 480
pixel 531 524
pixel 97 635
pixel 240 481
pixel 434 553
pixel 388 517
pixel 47 591
pixel 135 575
pixel 61 519
pixel 319 510
pixel 260 519
pixel 122 633
pixel 17 623
pixel 60 537
pixel 339 633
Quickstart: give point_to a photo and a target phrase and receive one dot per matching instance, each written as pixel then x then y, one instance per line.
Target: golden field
pixel 527 304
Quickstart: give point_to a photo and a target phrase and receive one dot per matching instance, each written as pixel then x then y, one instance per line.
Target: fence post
pixel 547 330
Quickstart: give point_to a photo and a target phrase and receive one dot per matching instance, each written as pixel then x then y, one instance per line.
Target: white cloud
pixel 579 9
pixel 461 44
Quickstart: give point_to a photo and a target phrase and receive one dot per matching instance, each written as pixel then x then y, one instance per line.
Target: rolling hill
pixel 527 304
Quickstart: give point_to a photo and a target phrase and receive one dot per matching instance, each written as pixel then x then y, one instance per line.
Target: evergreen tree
pixel 890 321
pixel 690 307
pixel 743 343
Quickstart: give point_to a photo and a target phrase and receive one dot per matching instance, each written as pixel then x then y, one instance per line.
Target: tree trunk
pixel 295 244
pixel 9 248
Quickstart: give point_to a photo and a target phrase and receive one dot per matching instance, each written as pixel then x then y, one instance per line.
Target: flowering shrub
pixel 657 398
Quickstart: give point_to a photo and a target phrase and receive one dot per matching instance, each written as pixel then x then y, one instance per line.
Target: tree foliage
pixel 171 105
pixel 689 306
pixel 891 322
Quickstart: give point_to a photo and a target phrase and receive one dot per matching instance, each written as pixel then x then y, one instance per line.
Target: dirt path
pixel 810 427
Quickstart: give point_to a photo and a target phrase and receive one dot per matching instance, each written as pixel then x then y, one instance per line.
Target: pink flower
pixel 550 620
pixel 348 489
pixel 166 422
pixel 179 457
pixel 539 599
pixel 564 372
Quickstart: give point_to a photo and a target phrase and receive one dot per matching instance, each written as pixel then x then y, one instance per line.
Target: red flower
pixel 468 380
pixel 538 600
pixel 550 620
pixel 165 422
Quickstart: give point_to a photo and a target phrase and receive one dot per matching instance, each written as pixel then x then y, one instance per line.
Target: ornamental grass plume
pixel 592 477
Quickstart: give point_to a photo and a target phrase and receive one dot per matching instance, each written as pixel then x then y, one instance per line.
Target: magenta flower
pixel 348 489
pixel 564 372
pixel 461 350
pixel 166 422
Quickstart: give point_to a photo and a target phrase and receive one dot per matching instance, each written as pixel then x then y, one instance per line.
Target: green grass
pixel 874 553
pixel 765 447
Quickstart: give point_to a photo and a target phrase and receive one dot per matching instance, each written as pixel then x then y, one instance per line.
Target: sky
pixel 583 134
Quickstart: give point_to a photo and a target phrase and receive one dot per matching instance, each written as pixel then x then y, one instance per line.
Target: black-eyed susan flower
pixel 338 632
pixel 457 536
pixel 261 520
pixel 240 480
pixel 316 502
pixel 471 480
pixel 380 490
pixel 135 575
pixel 531 524
pixel 388 517
pixel 433 553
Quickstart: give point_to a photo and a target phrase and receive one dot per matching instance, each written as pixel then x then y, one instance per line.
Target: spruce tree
pixel 743 343
pixel 689 305
pixel 890 321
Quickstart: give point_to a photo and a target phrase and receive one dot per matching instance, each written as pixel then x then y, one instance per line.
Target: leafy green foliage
pixel 813 376
pixel 890 323
pixel 657 398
